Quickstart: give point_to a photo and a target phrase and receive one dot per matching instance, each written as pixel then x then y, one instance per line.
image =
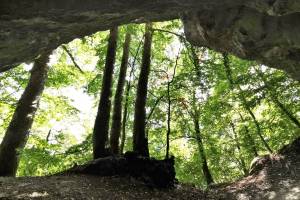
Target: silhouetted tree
pixel 117 112
pixel 101 127
pixel 18 130
pixel 140 142
pixel 127 95
pixel 195 116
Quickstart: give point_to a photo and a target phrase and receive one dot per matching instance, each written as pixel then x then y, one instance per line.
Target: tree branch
pixel 72 58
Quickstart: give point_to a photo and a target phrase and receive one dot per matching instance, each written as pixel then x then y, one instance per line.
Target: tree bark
pixel 168 121
pixel 140 142
pixel 124 121
pixel 206 172
pixel 169 106
pixel 128 88
pixel 18 130
pixel 117 112
pixel 125 113
pixel 195 114
pixel 101 127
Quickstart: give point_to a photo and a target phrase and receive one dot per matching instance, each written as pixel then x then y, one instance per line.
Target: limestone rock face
pixel 249 34
pixel 262 30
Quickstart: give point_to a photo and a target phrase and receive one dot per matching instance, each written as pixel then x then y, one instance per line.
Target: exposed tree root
pixel 155 173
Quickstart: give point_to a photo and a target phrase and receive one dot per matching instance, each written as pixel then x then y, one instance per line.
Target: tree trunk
pixel 276 101
pixel 195 116
pixel 286 111
pixel 244 102
pixel 100 134
pixel 140 142
pixel 169 107
pixel 258 128
pixel 117 112
pixel 128 88
pixel 124 121
pixel 18 130
pixel 205 169
pixel 154 173
pixel 238 146
pixel 168 121
pixel 249 138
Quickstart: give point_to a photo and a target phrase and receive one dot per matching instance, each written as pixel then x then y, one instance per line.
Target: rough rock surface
pixel 263 30
pixel 249 34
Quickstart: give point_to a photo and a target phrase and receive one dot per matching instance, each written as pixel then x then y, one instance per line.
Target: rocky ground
pixel 273 177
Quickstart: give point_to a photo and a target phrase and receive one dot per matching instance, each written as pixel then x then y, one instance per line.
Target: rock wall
pixel 263 30
pixel 249 34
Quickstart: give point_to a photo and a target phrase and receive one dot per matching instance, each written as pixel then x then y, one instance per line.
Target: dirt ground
pixel 273 177
pixel 88 187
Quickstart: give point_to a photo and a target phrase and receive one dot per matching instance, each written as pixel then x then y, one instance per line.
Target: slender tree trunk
pixel 153 108
pixel 168 121
pixel 128 88
pixel 252 143
pixel 117 112
pixel 244 102
pixel 206 172
pixel 205 169
pixel 150 115
pixel 249 138
pixel 169 107
pixel 17 133
pixel 276 101
pixel 48 135
pixel 258 128
pixel 194 57
pixel 101 127
pixel 286 111
pixel 238 146
pixel 140 142
pixel 124 120
pixel 195 117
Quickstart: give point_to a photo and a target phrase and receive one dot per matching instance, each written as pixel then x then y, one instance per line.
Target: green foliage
pixel 12 84
pixel 42 157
